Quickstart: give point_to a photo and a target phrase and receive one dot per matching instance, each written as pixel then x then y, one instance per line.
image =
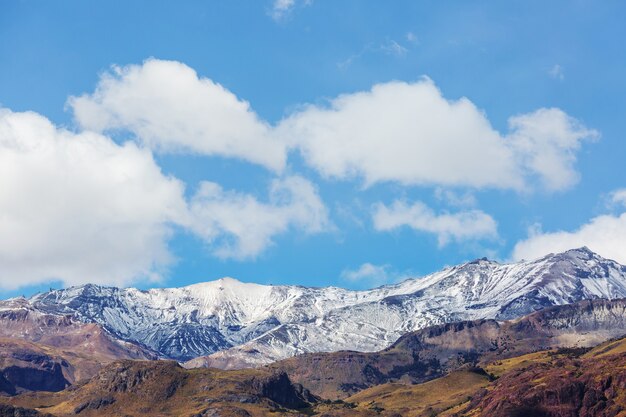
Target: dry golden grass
pixel 612 347
pixel 426 399
pixel 500 367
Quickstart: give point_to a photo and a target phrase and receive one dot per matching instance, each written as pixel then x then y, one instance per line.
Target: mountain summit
pixel 239 324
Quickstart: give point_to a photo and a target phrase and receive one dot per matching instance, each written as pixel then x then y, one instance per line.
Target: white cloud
pixel 460 226
pixel 370 274
pixel 80 208
pixel 390 47
pixel 170 109
pixel 618 197
pixel 409 133
pixel 394 48
pixel 557 72
pixel 402 132
pixel 546 142
pixel 412 38
pixel 456 199
pixel 240 226
pixel 282 8
pixel 605 234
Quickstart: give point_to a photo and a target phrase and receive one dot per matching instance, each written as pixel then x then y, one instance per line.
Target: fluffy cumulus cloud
pixel 460 226
pixel 401 132
pixel 605 234
pixel 546 142
pixel 167 107
pixel 409 133
pixel 240 226
pixel 78 207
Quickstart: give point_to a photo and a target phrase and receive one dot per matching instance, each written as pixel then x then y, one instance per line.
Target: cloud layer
pixel 81 207
pixel 460 226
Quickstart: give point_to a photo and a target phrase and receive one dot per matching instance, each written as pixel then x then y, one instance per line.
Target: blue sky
pixel 361 142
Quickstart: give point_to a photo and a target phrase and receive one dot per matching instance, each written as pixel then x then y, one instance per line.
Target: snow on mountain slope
pixel 253 324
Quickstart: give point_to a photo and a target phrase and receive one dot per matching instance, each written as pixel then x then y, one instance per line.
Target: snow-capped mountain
pixel 251 323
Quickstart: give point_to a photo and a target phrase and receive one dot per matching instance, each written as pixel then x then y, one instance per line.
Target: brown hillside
pixel 163 388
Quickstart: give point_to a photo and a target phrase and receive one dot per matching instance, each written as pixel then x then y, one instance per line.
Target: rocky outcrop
pixel 27 367
pixel 278 388
pixel 567 388
pixel 10 411
pixel 46 352
pixel 20 320
pixel 133 387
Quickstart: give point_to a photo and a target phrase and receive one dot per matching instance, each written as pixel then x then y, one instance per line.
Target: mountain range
pixel 473 340
pixel 537 366
pixel 230 324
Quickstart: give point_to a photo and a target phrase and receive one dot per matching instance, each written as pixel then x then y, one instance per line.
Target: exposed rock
pixel 26 367
pixel 94 404
pixel 568 388
pixel 133 387
pixel 224 412
pixel 10 411
pixel 278 388
pixel 42 351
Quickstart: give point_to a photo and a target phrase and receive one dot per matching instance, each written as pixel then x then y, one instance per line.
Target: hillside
pixel 41 351
pixel 162 388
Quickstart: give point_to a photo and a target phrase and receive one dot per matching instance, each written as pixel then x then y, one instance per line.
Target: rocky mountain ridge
pixel 238 324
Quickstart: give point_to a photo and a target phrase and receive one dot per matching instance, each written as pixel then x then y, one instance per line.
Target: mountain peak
pixel 225 283
pixel 582 253
pixel 483 260
pixel 582 250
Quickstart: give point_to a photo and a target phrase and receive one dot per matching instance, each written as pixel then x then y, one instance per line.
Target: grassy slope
pixel 425 399
pixel 611 347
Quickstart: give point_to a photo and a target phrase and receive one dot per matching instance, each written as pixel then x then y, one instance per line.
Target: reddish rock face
pixel 566 388
pixel 47 352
